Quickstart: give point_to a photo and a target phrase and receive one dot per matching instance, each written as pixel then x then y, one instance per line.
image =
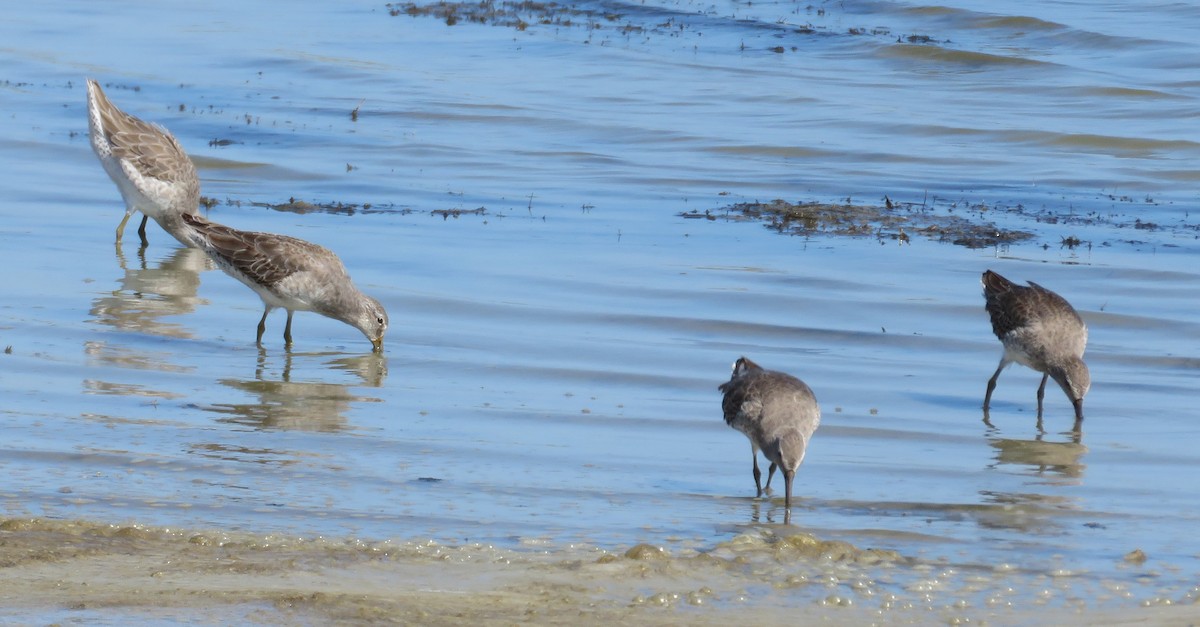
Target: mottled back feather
pixel 265 258
pixel 147 146
pixel 1013 306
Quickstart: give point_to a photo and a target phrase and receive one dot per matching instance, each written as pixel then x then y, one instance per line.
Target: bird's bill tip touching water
pixel 377 344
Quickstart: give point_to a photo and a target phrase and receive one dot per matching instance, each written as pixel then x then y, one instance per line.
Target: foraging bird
pixel 1041 330
pixel 290 273
pixel 777 412
pixel 148 165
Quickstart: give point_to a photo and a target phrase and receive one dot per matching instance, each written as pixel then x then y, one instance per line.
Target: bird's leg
pixel 121 226
pixel 287 331
pixel 987 398
pixel 262 325
pixel 757 476
pixel 1042 394
pixel 770 474
pixel 142 230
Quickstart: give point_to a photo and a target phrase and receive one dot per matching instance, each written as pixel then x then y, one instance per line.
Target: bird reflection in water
pixel 281 400
pixel 147 294
pixel 1060 461
pixel 1039 507
pixel 771 515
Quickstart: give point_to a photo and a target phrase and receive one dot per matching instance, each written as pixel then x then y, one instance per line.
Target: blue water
pixel 552 364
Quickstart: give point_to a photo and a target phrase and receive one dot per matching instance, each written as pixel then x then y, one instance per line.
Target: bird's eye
pixel 379 320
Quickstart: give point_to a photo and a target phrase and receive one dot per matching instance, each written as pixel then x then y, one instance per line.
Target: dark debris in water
pixel 518 14
pixel 295 205
pixel 626 19
pixel 621 19
pixel 455 213
pixel 301 206
pixel 962 223
pixel 891 221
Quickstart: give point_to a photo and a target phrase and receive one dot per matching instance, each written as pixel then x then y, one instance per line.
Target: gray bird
pixel 1041 330
pixel 289 273
pixel 777 412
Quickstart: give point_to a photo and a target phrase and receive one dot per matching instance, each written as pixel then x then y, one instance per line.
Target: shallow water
pixel 550 375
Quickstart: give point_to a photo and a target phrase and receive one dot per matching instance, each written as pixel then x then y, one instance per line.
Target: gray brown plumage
pixel 153 173
pixel 777 412
pixel 1041 330
pixel 289 273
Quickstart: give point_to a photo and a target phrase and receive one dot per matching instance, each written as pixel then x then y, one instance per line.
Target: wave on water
pixel 966 59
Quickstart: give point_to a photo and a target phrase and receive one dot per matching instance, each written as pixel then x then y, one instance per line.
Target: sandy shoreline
pixel 58 570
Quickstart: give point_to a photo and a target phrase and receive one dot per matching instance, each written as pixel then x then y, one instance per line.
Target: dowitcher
pixel 148 165
pixel 292 274
pixel 777 412
pixel 1041 330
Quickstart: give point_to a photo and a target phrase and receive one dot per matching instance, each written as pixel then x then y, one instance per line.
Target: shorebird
pixel 289 273
pixel 1041 330
pixel 148 165
pixel 777 412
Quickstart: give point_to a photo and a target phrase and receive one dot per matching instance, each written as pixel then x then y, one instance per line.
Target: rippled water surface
pixel 512 195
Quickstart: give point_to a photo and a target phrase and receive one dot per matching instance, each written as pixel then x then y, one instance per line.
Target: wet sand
pixel 98 573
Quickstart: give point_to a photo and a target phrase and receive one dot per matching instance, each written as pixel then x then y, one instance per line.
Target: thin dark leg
pixel 287 331
pixel 757 476
pixel 262 325
pixel 770 475
pixel 1042 394
pixel 987 398
pixel 142 230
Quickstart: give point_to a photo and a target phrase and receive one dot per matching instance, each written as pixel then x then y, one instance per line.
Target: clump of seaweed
pixel 891 220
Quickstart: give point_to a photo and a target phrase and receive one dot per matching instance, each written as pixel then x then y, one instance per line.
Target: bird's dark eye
pixel 379 320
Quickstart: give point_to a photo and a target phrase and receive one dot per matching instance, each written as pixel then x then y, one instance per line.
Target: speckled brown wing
pixel 265 258
pixel 148 147
pixel 1013 306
